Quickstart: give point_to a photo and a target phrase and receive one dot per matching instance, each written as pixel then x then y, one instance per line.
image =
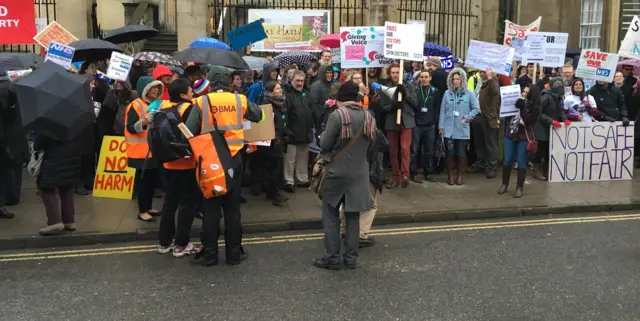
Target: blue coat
pixel 456 106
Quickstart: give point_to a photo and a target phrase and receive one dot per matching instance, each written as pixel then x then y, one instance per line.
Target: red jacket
pixel 158 72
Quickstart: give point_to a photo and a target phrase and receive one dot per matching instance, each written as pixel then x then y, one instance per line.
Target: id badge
pixel 456 113
pixel 423 109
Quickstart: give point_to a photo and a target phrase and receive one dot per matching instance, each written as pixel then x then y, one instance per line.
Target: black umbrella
pixel 131 33
pixel 93 50
pixel 55 102
pixel 17 61
pixel 212 56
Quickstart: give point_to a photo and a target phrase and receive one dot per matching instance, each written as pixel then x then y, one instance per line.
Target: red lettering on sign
pixel 594 63
pixel 391 28
pixel 116 145
pixel 595 55
pixel 113 182
pixel 115 163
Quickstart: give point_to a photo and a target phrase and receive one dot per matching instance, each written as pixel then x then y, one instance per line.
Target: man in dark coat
pixel 438 74
pixel 610 102
pixel 321 89
pixel 485 126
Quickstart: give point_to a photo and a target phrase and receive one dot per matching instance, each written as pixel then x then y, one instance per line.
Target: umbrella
pixel 204 42
pixel 255 63
pixel 93 49
pixel 298 57
pixel 212 56
pixel 11 61
pixel 434 49
pixel 131 33
pixel 152 56
pixel 635 63
pixel 331 40
pixel 55 102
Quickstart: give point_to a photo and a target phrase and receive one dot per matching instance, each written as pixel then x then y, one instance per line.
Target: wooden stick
pixel 541 72
pixel 535 72
pixel 399 112
pixel 366 72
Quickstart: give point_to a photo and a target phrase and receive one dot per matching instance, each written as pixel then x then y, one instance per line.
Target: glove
pixel 625 121
pixel 567 122
pixel 376 86
pixel 556 124
pixel 520 103
pixel 400 90
pixel 609 119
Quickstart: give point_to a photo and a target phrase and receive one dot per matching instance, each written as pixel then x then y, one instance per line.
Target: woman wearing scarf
pixel 274 154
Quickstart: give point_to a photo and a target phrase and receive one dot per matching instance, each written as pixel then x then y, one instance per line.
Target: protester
pixel 14 149
pixel 518 132
pixel 568 74
pixel 311 70
pixel 329 107
pixel 256 92
pixel 200 87
pixel 424 134
pixel 319 92
pixel 114 108
pixel 348 181
pixel 299 134
pixel 165 75
pixel 629 79
pixel 611 104
pixel 236 83
pixel 551 114
pixel 579 105
pixel 274 154
pixel 399 135
pixel 325 57
pixel 475 81
pixel 193 73
pixel 618 79
pixel 438 74
pixel 249 80
pixel 626 85
pixel 137 119
pixel 459 107
pixel 485 126
pixel 90 141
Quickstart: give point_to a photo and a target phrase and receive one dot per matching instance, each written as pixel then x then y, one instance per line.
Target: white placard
pixel 422 23
pixel 483 55
pixel 60 54
pixel 629 47
pixel 512 30
pixel 508 97
pixel 533 51
pixel 597 65
pixel 335 55
pixel 554 47
pixel 119 66
pixel 400 41
pixel 591 151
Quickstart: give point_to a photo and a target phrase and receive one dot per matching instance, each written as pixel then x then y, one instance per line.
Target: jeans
pixel 515 151
pixel 423 143
pixel 183 193
pixel 145 185
pixel 400 139
pixel 62 211
pixel 456 147
pixel 485 140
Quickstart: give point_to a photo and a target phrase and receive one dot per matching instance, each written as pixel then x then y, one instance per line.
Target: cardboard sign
pixel 60 54
pixel 400 41
pixel 512 30
pixel 597 65
pixel 554 47
pixel 591 151
pixel 113 178
pixel 263 130
pixel 629 47
pixel 362 47
pixel 509 95
pixel 483 55
pixel 54 32
pixel 247 34
pixel 17 22
pixel 119 66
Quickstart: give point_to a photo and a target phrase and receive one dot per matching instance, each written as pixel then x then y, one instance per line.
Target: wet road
pixel 567 268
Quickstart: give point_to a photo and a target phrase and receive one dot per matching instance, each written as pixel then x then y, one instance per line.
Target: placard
pixel 400 41
pixel 17 22
pixel 422 23
pixel 291 29
pixel 60 54
pixel 119 66
pixel 367 40
pixel 246 35
pixel 533 51
pixel 591 151
pixel 335 55
pixel 554 46
pixel 483 55
pixel 629 47
pixel 447 63
pixel 509 95
pixel 597 65
pixel 114 179
pixel 54 32
pixel 41 24
pixel 263 130
pixel 512 30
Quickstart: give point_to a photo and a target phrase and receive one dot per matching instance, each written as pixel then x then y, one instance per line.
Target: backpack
pixel 166 141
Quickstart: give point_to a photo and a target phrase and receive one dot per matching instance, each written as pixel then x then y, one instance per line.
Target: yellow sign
pixel 113 178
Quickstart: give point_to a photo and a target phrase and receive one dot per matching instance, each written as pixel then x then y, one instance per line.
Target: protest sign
pixel 291 29
pixel 422 23
pixel 60 54
pixel 629 47
pixel 17 22
pixel 119 66
pixel 113 178
pixel 546 48
pixel 483 55
pixel 512 30
pixel 400 41
pixel 362 47
pixel 246 35
pixel 591 151
pixel 335 55
pixel 518 46
pixel 41 24
pixel 508 97
pixel 597 65
pixel 447 63
pixel 54 32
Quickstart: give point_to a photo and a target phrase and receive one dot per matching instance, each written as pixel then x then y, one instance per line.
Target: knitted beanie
pixel 200 87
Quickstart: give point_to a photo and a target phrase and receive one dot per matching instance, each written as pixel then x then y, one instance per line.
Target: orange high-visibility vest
pixel 228 110
pixel 137 146
pixel 183 163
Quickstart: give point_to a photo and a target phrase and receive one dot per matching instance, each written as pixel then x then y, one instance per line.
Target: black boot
pixel 506 174
pixel 522 174
pixel 236 256
pixel 207 257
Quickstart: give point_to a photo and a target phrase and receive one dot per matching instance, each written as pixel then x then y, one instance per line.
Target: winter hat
pixel 557 85
pixel 218 77
pixel 434 61
pixel 200 87
pixel 348 92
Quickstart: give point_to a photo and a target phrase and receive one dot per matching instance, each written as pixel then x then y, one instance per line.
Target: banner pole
pixel 399 112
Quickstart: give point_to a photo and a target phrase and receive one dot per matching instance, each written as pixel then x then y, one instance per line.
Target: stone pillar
pixel 379 12
pixel 192 20
pixel 75 16
pixel 611 26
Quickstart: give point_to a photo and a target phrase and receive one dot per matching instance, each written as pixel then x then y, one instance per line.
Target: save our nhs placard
pixel 591 151
pixel 597 65
pixel 60 54
pixel 483 55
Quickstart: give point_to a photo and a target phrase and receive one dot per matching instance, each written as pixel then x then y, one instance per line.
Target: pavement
pixel 568 269
pixel 101 220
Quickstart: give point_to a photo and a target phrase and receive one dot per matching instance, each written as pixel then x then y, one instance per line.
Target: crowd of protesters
pixel 449 122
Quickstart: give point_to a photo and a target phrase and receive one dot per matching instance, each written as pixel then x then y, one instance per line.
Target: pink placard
pixel 354 52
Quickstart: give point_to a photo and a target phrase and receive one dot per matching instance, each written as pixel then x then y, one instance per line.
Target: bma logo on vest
pixel 223 109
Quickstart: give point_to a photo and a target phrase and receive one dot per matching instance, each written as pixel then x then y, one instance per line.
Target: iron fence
pixel 43 9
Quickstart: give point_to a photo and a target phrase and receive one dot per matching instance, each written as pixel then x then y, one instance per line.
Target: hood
pixel 322 71
pixel 267 69
pixel 463 76
pixel 218 77
pixel 161 70
pixel 145 83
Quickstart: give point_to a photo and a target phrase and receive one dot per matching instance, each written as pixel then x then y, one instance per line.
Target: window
pixel 591 24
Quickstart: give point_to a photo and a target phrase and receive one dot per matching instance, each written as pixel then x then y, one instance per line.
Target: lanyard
pixel 426 97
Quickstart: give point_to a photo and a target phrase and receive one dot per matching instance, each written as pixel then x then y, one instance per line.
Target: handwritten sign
pixel 512 30
pixel 597 65
pixel 60 54
pixel 508 97
pixel 367 40
pixel 119 66
pixel 554 47
pixel 113 178
pixel 586 151
pixel 54 32
pixel 400 41
pixel 483 55
pixel 247 34
pixel 335 55
pixel 629 47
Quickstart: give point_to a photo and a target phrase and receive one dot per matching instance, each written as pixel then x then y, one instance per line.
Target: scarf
pixel 275 101
pixel 369 123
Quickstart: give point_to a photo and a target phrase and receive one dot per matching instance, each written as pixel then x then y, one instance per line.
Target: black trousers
pixel 10 184
pixel 145 187
pixel 273 170
pixel 183 193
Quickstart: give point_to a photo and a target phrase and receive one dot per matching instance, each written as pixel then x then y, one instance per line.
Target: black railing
pixel 43 9
pixel 95 26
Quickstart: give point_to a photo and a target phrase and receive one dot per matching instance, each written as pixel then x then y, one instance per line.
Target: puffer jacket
pixel 61 162
pixel 550 109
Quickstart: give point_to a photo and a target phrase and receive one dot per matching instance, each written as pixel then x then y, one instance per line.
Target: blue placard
pixel 447 63
pixel 247 34
pixel 60 54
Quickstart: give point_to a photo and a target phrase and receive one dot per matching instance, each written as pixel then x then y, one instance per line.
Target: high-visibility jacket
pixel 183 163
pixel 137 146
pixel 229 110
